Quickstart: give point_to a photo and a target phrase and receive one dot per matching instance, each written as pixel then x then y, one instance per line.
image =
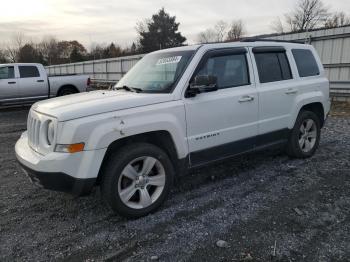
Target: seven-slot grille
pixel 33 127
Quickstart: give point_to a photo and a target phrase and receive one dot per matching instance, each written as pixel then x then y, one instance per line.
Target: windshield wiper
pixel 131 89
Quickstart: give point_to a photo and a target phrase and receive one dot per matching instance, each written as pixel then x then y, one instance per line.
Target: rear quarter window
pixel 306 62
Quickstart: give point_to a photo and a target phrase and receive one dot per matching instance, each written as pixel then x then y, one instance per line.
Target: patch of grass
pixel 340 108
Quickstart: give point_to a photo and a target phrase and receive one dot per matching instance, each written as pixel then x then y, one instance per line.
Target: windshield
pixel 157 72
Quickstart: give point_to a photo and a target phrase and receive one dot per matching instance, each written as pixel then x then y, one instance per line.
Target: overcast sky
pixel 104 21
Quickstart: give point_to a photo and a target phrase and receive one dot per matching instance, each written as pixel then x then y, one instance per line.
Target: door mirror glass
pixel 205 81
pixel 202 84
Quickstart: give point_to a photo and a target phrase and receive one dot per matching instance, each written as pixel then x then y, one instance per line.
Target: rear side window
pixel 272 66
pixel 28 71
pixel 306 62
pixel 231 70
pixel 7 72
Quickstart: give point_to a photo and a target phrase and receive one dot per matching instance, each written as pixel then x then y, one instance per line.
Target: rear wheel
pixel 137 180
pixel 67 91
pixel 305 135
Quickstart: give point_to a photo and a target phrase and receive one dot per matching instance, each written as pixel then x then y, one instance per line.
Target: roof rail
pixel 272 40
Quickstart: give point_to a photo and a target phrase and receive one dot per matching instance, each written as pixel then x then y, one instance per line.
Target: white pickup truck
pixel 177 109
pixel 25 83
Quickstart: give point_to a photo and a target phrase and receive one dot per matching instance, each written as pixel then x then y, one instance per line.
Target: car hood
pixel 96 102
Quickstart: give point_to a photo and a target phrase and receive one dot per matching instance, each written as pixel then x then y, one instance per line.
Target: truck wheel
pixel 305 135
pixel 137 179
pixel 67 91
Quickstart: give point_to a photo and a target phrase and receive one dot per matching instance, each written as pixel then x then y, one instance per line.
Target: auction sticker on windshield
pixel 169 60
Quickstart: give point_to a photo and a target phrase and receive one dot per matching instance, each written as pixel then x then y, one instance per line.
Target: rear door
pixel 277 92
pixel 8 83
pixel 32 85
pixel 224 122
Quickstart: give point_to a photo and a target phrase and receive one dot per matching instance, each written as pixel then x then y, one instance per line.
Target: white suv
pixel 176 109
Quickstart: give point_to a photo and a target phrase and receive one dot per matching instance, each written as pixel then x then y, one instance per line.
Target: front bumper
pixel 60 182
pixel 72 173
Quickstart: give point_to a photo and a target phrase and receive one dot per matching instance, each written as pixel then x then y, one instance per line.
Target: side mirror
pixel 202 84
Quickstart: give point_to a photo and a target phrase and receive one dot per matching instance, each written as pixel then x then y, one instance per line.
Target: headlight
pixel 50 132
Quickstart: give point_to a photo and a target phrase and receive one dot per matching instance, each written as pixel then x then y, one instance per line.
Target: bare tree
pixel 19 39
pixel 277 26
pixel 48 47
pixel 3 58
pixel 215 34
pixel 11 54
pixel 236 31
pixel 12 49
pixel 220 29
pixel 307 15
pixel 337 19
pixel 207 36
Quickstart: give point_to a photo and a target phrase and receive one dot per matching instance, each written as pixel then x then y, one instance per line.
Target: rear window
pixel 272 66
pixel 306 62
pixel 28 71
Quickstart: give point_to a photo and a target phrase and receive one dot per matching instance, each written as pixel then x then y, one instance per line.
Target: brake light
pixel 88 82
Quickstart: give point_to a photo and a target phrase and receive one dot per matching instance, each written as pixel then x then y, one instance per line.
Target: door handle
pixel 246 99
pixel 291 91
pixel 40 81
pixel 11 83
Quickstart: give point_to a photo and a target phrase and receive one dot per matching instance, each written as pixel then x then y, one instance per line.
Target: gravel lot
pixel 265 206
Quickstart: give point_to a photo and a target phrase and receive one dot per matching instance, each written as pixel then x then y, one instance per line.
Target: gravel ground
pixel 265 206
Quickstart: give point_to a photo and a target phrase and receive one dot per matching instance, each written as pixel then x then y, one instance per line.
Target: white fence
pixel 108 70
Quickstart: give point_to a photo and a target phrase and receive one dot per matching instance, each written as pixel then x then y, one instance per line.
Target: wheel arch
pixel 317 108
pixel 68 86
pixel 311 102
pixel 161 139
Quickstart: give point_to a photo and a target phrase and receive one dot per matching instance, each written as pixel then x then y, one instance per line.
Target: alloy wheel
pixel 141 182
pixel 307 135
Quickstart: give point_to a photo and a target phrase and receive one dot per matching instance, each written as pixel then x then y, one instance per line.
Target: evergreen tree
pixel 133 48
pixel 28 54
pixel 112 51
pixel 76 56
pixel 160 32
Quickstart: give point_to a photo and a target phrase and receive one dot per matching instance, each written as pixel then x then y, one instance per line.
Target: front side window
pixel 28 71
pixel 7 72
pixel 306 62
pixel 272 66
pixel 157 72
pixel 230 70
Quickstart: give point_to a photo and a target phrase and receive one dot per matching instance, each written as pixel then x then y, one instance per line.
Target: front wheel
pixel 305 135
pixel 137 179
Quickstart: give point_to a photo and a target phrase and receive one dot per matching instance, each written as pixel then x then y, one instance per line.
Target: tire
pixel 305 135
pixel 67 91
pixel 129 194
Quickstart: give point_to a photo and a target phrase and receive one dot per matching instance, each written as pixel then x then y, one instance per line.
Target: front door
pixel 8 84
pixel 224 122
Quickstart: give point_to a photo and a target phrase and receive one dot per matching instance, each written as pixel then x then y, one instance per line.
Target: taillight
pixel 88 82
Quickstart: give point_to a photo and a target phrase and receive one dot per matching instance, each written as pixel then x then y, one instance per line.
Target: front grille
pixel 33 127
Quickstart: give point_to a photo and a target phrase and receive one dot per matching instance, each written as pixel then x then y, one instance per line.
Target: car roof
pixel 238 44
pixel 20 64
